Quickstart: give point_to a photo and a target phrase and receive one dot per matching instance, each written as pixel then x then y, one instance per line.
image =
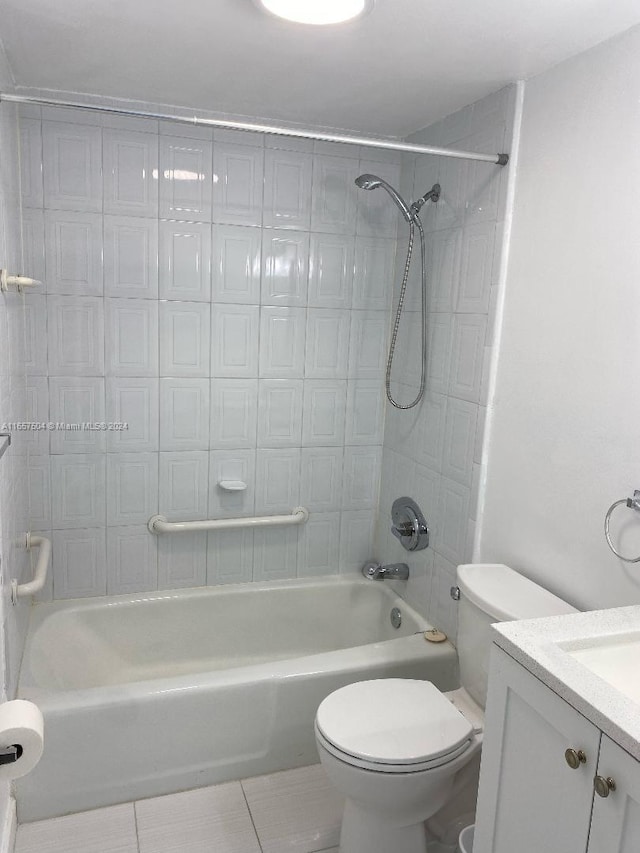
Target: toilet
pixel 393 746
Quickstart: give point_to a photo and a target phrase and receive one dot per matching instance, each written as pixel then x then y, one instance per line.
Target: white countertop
pixel 534 644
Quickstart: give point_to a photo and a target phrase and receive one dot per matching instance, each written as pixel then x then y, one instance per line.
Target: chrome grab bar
pixel 159 524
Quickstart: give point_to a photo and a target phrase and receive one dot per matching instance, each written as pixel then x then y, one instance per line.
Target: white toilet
pixel 394 746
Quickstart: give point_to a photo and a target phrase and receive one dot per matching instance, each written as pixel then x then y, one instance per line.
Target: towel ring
pixel 632 503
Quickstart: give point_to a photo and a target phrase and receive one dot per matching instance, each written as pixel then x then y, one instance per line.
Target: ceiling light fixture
pixel 317 12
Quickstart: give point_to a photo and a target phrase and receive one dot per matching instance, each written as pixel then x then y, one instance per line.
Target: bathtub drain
pixel 396 617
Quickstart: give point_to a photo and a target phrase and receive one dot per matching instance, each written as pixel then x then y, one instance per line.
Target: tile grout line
pixel 251 816
pixel 135 823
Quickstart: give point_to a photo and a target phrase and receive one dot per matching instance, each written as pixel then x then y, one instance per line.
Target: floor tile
pixel 295 811
pixel 207 820
pixel 110 830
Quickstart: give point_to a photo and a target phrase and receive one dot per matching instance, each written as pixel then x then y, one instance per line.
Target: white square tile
pixel 361 478
pixel 132 488
pixel 467 353
pixel 319 546
pixel 331 260
pixel 229 556
pixel 73 253
pixel 110 830
pixel 407 363
pixel 288 143
pixel 136 403
pixel 378 216
pixel 72 166
pixel 184 339
pixel 37 411
pixel 282 341
pixel 39 492
pixel 236 264
pixel 368 344
pixel 238 171
pixel 275 553
pixel 483 186
pixel 74 404
pixel 35 333
pixel 222 136
pixel 235 341
pixel 439 358
pixel 443 612
pixel 324 413
pixel 33 238
pixel 182 562
pixel 130 173
pixel 285 267
pixel 76 336
pixel 184 485
pixel 431 431
pixel 450 209
pixel 321 478
pixel 184 414
pixel 425 490
pixel 453 518
pixel 132 337
pixel 31 162
pixel 478 243
pixel 228 466
pixel 280 413
pixel 277 481
pixel 295 810
pixel 132 560
pixel 79 571
pixel 185 261
pixel 131 257
pixel 287 189
pixel 373 278
pixel 365 412
pixel 459 441
pixel 356 539
pixel 78 490
pixel 234 413
pixel 334 203
pixel 205 819
pixel 327 355
pixel 185 178
pixel 444 251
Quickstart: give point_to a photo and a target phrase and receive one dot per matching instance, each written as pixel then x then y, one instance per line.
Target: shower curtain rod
pixel 388 144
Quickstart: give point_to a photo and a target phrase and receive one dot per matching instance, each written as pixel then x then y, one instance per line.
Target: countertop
pixel 534 644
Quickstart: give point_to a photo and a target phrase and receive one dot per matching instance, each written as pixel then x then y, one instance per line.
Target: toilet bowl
pixel 393 747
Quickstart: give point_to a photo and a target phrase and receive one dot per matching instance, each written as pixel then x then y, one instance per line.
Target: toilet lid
pixel 392 721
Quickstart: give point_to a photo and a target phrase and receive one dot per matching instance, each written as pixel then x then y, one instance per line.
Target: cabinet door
pixel 530 800
pixel 615 823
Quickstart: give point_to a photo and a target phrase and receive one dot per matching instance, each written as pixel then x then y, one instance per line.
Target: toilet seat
pixel 392 725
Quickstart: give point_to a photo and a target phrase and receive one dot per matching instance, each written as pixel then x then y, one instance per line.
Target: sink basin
pixel 615 659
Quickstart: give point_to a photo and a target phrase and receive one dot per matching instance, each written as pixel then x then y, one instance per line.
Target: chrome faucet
pixel 394 571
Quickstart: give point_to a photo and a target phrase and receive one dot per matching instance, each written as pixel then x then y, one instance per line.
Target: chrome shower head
pixel 372 182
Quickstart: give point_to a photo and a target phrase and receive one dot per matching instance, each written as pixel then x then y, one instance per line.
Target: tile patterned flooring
pixel 294 811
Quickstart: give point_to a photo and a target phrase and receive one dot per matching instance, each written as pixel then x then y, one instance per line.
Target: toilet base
pixel 363 832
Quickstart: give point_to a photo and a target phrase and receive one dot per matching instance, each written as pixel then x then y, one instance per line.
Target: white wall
pixel 433 452
pixel 564 427
pixel 226 294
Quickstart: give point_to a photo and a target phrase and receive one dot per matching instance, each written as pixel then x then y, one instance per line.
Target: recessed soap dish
pixel 232 485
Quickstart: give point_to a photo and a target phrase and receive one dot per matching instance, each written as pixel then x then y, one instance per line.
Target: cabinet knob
pixel 575 757
pixel 604 786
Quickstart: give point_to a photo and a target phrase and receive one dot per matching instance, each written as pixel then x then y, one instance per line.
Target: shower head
pixel 372 182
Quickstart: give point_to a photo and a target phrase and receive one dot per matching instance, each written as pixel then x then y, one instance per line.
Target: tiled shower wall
pixel 227 296
pixel 434 452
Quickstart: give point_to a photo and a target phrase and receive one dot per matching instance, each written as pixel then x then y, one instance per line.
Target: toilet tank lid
pixel 505 595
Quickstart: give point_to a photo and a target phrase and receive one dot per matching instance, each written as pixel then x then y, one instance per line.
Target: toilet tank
pixel 492 592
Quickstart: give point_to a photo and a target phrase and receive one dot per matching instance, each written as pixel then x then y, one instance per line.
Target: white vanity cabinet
pixel 530 799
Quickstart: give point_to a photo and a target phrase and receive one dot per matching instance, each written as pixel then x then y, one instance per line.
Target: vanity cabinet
pixel 539 760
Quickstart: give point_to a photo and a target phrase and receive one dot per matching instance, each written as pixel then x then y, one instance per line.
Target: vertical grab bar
pixel 40 573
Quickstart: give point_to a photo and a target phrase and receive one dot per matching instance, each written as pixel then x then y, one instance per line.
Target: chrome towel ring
pixel 632 503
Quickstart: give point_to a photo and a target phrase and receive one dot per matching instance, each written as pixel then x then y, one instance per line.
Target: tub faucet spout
pixel 393 571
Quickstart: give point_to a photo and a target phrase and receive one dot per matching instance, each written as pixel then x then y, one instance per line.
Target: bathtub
pixel 156 693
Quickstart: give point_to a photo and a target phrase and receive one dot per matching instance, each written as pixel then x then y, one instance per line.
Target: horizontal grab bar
pixel 40 574
pixel 159 524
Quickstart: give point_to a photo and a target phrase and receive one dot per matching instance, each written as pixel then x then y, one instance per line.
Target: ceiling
pixel 398 69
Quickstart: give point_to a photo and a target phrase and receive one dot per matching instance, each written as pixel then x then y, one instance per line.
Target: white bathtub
pixel 155 693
